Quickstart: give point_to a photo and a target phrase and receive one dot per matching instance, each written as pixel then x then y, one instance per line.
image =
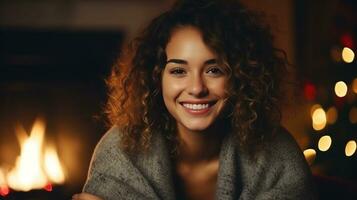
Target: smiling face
pixel 193 84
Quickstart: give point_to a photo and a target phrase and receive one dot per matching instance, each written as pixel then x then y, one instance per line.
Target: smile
pixel 196 106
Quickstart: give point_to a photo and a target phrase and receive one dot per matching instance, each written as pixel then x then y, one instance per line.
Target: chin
pixel 196 127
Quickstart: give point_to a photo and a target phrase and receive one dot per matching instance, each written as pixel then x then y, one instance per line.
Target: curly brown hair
pixel 239 39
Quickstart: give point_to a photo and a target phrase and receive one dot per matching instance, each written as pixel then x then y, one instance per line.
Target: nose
pixel 197 86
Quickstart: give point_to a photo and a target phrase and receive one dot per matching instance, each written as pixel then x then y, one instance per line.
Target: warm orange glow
pixel 340 89
pixel 28 173
pixel 318 119
pixel 2 177
pixel 331 115
pixel 353 115
pixel 310 155
pixel 48 187
pixel 348 55
pixel 336 54
pixel 4 189
pixel 325 143
pixel 354 85
pixel 350 148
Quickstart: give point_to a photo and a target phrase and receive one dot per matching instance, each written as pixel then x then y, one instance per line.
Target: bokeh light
pixel 310 155
pixel 348 55
pixel 310 91
pixel 336 54
pixel 354 85
pixel 318 119
pixel 325 143
pixel 353 115
pixel 331 115
pixel 340 89
pixel 350 148
pixel 314 107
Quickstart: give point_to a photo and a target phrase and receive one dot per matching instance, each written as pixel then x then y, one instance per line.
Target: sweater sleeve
pixel 280 172
pixel 112 175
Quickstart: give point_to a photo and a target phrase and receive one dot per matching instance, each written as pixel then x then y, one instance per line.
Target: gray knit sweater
pixel 279 172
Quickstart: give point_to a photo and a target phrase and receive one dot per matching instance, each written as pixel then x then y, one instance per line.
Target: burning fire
pixel 33 169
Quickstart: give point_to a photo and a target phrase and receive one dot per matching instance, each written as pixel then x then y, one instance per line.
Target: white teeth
pixel 196 106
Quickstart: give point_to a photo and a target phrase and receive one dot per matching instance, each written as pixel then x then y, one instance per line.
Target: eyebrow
pixel 180 61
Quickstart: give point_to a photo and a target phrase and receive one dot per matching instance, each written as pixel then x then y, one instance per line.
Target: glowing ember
pixel 48 187
pixel 4 189
pixel 29 172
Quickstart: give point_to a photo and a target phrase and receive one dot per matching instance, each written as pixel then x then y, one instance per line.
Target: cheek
pixel 170 89
pixel 218 88
pixel 170 93
pixel 171 85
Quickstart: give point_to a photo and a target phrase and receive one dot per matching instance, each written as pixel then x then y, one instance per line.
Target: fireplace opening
pixel 52 92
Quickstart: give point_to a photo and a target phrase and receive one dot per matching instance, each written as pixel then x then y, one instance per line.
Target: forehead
pixel 187 43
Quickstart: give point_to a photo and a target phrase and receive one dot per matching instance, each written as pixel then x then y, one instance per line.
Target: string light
pixel 347 40
pixel 310 91
pixel 325 143
pixel 332 115
pixel 310 155
pixel 350 148
pixel 353 115
pixel 340 89
pixel 314 107
pixel 354 85
pixel 336 54
pixel 318 119
pixel 348 55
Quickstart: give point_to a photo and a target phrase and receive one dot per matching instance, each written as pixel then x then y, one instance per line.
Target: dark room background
pixel 56 54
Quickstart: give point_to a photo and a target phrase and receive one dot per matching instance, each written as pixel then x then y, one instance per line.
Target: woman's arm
pixel 112 174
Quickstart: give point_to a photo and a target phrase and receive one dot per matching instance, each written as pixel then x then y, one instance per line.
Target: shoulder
pixel 109 142
pixel 281 151
pixel 107 153
pixel 112 174
pixel 111 137
pixel 283 146
pixel 108 156
pixel 279 169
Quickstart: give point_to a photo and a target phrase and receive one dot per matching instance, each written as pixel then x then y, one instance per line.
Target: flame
pixel 2 177
pixel 29 172
pixel 53 166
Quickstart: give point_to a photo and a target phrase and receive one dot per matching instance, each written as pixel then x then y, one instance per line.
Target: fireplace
pixel 52 94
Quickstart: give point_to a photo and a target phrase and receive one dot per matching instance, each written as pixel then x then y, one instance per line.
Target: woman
pixel 195 113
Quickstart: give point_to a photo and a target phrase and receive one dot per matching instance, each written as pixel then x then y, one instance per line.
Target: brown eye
pixel 215 71
pixel 177 71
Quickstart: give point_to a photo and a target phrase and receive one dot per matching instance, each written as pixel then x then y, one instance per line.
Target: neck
pixel 199 146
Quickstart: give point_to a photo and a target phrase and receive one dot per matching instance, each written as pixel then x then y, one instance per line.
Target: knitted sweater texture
pixel 279 172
